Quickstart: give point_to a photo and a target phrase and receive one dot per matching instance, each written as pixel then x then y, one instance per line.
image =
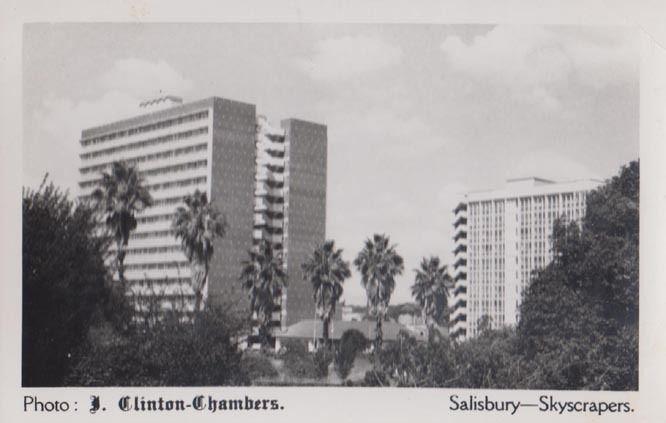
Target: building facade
pixel 290 203
pixel 501 237
pixel 251 173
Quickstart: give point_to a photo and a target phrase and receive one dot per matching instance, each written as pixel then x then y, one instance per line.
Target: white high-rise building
pixel 501 236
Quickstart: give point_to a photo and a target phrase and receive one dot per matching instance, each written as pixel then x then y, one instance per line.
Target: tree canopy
pixel 579 316
pixel 65 283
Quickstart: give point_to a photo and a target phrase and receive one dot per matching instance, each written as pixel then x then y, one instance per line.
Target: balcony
pixel 460 289
pixel 460 261
pixel 459 314
pixel 260 220
pixel 460 220
pixel 461 247
pixel 460 207
pixel 459 302
pixel 460 233
pixel 460 277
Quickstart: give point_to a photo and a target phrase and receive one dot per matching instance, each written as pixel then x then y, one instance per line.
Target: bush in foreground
pixel 172 352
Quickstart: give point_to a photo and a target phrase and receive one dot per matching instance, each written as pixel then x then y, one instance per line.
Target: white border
pixel 339 404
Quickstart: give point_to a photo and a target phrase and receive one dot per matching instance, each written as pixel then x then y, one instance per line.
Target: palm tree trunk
pixel 200 287
pixel 379 335
pixel 424 315
pixel 120 260
pixel 327 321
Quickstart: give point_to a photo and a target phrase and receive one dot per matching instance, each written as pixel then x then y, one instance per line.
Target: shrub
pixel 322 359
pixel 257 366
pixel 171 352
pixel 298 361
pixel 351 343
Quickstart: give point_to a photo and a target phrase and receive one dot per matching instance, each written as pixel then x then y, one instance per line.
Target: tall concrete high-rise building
pixel 290 202
pixel 501 236
pixel 269 183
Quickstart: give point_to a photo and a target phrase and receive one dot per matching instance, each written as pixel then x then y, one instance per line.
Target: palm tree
pixel 379 264
pixel 264 279
pixel 326 271
pixel 197 225
pixel 430 290
pixel 119 196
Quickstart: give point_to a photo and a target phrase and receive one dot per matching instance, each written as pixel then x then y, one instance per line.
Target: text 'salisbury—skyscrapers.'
pixel 269 183
pixel 500 237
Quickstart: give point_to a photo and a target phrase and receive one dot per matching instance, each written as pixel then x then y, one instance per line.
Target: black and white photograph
pixel 370 206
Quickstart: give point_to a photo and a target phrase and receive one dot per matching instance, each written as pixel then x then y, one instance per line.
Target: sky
pixel 417 114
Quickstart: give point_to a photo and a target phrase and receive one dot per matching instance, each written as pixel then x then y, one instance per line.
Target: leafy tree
pixel 173 352
pixel 351 343
pixel 579 316
pixel 326 270
pixel 491 360
pixel 403 361
pixel 65 283
pixel 197 225
pixel 264 279
pixel 379 264
pixel 430 291
pixel 119 196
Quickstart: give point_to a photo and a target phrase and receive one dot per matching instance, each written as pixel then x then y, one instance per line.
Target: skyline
pixel 442 109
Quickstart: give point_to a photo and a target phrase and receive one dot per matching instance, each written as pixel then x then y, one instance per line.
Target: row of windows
pixel 150 157
pixel 160 171
pixel 146 143
pixel 152 234
pixel 154 250
pixel 158 266
pixel 147 282
pixel 146 128
pixel 181 183
pixel 155 218
pixel 169 200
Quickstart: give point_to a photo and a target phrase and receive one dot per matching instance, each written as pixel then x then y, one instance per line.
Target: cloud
pixel 342 58
pixel 51 143
pixel 538 62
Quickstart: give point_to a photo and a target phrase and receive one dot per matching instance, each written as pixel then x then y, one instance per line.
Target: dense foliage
pixel 322 359
pixel 171 352
pixel 65 283
pixel 579 317
pixel 298 362
pixel 351 344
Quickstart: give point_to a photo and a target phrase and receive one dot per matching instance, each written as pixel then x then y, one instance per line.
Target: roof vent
pixel 162 102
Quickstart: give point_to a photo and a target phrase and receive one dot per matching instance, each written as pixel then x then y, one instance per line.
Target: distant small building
pixel 310 330
pixel 413 322
pixel 349 314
